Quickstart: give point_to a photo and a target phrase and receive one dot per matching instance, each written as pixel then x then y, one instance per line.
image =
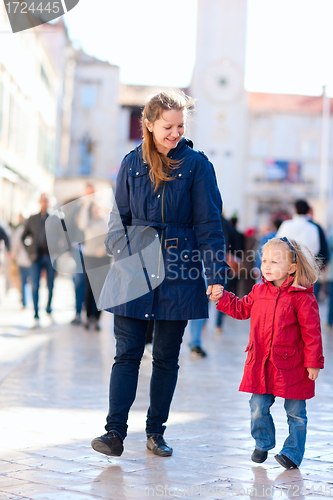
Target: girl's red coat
pixel 285 338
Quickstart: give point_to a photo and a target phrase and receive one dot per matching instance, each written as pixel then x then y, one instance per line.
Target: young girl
pixel 285 347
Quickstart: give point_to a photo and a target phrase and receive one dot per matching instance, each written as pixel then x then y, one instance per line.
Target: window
pixel 86 154
pixel 89 95
pixel 135 133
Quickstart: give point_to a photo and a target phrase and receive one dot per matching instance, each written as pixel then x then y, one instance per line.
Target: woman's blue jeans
pixel 263 429
pixel 130 334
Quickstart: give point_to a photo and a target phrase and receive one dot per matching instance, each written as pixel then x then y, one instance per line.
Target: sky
pixel 289 45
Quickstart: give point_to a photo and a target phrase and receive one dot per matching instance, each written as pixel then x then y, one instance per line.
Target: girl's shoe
pixel 285 461
pixel 259 456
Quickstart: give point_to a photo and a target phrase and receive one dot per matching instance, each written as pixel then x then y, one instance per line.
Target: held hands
pixel 215 292
pixel 313 373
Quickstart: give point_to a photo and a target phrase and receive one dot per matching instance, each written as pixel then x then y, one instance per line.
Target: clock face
pixel 223 81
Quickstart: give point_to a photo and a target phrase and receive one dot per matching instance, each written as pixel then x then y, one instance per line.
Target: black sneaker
pixel 285 461
pixel 109 444
pixel 76 320
pixel 259 456
pixel 198 352
pixel 157 445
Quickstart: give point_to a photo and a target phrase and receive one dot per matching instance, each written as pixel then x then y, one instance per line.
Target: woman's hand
pixel 313 373
pixel 215 292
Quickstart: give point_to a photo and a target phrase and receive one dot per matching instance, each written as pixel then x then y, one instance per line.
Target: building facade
pixel 90 126
pixel 29 88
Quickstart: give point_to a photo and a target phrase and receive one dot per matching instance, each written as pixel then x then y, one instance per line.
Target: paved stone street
pixel 54 399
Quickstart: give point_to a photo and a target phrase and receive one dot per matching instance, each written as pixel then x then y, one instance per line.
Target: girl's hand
pixel 313 373
pixel 215 292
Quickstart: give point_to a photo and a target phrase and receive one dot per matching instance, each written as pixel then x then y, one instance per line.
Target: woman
pixel 163 184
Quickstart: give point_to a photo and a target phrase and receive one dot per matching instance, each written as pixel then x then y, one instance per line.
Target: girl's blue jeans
pixel 263 429
pixel 130 334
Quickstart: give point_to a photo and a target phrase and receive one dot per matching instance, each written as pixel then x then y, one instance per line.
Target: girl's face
pixel 168 129
pixel 276 265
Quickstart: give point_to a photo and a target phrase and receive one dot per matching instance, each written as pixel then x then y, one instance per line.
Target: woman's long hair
pixel 307 267
pixel 160 164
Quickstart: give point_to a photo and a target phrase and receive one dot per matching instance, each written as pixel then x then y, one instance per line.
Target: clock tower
pixel 219 124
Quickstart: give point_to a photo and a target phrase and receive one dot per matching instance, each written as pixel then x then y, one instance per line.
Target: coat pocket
pixel 284 356
pixel 137 178
pixel 249 351
pixel 181 180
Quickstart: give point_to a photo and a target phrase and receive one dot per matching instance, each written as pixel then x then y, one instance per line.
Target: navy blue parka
pixel 186 216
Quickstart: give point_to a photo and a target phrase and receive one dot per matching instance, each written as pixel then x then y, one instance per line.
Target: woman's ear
pixel 148 125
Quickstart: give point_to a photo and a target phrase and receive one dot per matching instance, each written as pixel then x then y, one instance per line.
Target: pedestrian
pixel 4 237
pixel 92 222
pixel 3 257
pixel 196 328
pixel 329 279
pixel 300 228
pixel 21 258
pixel 35 242
pixel 285 346
pixel 322 256
pixel 166 185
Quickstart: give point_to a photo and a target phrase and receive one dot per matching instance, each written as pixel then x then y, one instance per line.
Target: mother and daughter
pixel 166 185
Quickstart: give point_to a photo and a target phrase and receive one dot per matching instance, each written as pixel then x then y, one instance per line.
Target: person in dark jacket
pixel 35 242
pixel 4 237
pixel 167 193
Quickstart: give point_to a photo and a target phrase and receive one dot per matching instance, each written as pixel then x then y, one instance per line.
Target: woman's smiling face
pixel 168 129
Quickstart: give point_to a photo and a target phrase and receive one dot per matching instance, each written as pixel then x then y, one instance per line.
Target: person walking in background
pixel 329 279
pixel 4 237
pixel 300 228
pixel 285 350
pixel 77 234
pixel 21 258
pixel 237 248
pixel 267 233
pixel 323 254
pixel 92 222
pixel 166 185
pixel 34 239
pixel 229 233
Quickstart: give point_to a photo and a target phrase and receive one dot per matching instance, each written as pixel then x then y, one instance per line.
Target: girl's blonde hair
pixel 307 268
pixel 160 164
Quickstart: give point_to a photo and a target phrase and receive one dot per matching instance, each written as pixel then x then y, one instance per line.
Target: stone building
pixel 29 87
pixel 90 126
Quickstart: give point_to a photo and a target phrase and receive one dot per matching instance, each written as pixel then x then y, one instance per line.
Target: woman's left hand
pixel 215 292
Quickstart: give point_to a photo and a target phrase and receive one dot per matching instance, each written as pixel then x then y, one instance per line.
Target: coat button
pixel 179 175
pixel 152 315
pixel 146 315
pixel 137 173
pixel 185 256
pixel 158 196
pixel 156 235
pixel 153 275
pixel 118 251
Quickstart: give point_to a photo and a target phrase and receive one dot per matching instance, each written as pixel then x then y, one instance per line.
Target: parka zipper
pixel 162 233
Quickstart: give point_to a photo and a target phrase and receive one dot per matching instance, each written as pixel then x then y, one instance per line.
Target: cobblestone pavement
pixel 54 398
